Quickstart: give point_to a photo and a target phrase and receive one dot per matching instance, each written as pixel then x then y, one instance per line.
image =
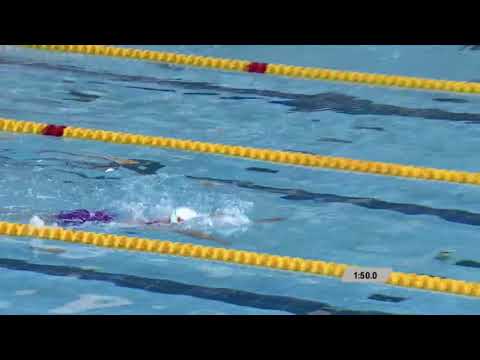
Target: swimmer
pixel 173 222
pixel 140 166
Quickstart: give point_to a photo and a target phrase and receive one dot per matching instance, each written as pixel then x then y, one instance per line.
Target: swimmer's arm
pixel 257 221
pixel 201 235
pixel 113 160
pixel 94 156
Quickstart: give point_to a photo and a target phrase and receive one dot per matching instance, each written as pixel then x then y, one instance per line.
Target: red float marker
pixel 54 130
pixel 257 67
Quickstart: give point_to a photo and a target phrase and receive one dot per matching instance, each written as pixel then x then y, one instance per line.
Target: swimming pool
pixel 336 216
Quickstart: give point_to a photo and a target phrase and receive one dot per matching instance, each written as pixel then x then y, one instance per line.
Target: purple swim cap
pixel 80 216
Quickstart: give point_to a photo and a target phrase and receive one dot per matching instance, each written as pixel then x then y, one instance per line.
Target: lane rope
pixel 301 72
pixel 283 157
pixel 247 258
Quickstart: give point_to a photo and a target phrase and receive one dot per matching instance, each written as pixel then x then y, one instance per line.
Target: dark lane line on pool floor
pixel 451 215
pixel 230 296
pixel 386 298
pixel 334 140
pixel 199 93
pixel 263 170
pixel 451 100
pixel 375 128
pixel 336 102
pixel 150 89
pixel 82 96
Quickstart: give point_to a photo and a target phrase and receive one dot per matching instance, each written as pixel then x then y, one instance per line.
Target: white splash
pixel 90 302
pixel 37 221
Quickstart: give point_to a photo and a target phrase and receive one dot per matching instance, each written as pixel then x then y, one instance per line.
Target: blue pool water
pixel 334 216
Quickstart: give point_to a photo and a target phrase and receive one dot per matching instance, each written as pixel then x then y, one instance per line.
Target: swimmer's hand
pixel 270 220
pixel 201 235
